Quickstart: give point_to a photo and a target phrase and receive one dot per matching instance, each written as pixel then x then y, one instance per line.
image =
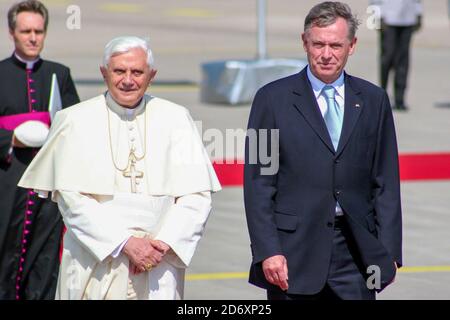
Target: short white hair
pixel 125 44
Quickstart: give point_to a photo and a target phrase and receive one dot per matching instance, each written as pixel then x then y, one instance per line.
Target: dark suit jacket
pixel 292 212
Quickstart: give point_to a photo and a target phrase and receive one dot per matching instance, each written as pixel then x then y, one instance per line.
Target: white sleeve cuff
pixel 118 250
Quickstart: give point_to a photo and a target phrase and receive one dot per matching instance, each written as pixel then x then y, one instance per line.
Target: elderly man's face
pixel 328 49
pixel 127 76
pixel 28 35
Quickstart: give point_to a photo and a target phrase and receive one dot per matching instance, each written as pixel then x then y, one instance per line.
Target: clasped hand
pixel 144 252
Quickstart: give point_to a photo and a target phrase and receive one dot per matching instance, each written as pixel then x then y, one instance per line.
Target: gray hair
pixel 326 13
pixel 125 44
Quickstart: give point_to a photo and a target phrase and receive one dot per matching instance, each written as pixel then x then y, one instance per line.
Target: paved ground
pixel 186 33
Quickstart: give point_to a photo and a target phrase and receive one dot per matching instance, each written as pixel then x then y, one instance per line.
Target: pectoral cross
pixel 131 171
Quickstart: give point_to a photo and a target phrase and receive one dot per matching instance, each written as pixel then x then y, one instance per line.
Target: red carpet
pixel 413 167
pixel 230 174
pixel 432 166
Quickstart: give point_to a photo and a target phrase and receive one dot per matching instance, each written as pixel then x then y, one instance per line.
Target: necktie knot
pixel 329 92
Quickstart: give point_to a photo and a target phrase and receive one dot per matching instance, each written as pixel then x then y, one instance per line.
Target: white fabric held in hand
pixel 32 133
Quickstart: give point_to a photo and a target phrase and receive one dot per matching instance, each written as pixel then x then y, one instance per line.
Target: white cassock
pixel 171 203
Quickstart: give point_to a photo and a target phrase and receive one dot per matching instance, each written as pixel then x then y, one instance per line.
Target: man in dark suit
pixel 327 223
pixel 399 20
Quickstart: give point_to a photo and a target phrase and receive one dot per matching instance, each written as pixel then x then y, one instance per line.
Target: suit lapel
pixel 353 108
pixel 306 104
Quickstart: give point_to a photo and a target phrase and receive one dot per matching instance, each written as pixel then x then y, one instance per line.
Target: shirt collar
pixel 317 84
pixel 122 111
pixel 29 63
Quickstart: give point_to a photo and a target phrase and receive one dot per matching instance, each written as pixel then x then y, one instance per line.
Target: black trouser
pixel 345 276
pixel 395 56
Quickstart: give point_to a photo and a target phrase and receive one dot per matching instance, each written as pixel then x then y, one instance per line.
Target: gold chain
pixel 132 149
pixel 145 133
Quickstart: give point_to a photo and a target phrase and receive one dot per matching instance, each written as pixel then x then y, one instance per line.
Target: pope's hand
pixel 276 271
pixel 161 246
pixel 142 252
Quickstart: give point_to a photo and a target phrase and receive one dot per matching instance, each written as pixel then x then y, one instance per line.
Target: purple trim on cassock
pixel 23 245
pixel 13 121
pixel 30 99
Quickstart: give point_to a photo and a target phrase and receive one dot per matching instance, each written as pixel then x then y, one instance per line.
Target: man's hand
pixel 141 252
pixel 396 268
pixel 161 246
pixel 16 143
pixel 276 271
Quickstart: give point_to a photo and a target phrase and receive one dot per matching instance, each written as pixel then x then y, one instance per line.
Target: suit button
pixel 330 224
pixel 337 161
pixel 337 192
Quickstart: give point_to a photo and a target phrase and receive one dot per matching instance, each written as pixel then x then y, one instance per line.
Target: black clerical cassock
pixel 30 227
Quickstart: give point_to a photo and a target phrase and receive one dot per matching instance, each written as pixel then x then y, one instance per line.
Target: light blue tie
pixel 333 116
